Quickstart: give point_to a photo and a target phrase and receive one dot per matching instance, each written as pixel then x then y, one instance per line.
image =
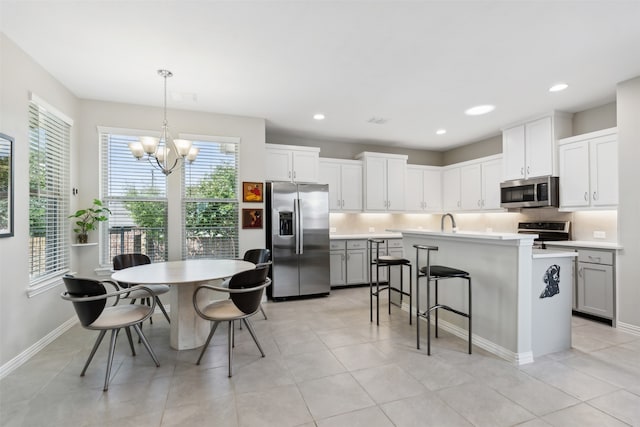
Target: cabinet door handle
pixel 458 204
pixel 528 170
pixel 289 174
pixel 595 195
pixel 522 171
pixel 595 258
pixel 479 203
pixel 388 203
pixel 580 271
pixel 294 174
pixel 586 196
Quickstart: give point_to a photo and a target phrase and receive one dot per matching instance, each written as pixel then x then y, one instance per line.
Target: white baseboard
pixel 491 347
pixel 628 328
pixel 23 357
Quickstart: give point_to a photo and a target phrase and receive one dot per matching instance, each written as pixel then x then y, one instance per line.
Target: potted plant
pixel 87 219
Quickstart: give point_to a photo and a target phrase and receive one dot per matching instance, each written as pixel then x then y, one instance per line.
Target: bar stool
pixel 436 273
pixel 388 261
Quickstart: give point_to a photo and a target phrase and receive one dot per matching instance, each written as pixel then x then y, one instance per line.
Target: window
pixel 210 200
pixel 136 194
pixel 49 226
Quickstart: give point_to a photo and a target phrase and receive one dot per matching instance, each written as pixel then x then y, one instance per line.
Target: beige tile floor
pixel 326 365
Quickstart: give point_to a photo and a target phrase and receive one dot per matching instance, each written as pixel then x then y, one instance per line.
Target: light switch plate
pixel 599 235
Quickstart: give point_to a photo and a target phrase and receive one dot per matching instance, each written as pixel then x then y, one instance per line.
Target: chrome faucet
pixel 454 228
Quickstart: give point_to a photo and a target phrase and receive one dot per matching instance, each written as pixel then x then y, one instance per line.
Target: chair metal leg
pixel 146 344
pixel 112 349
pixel 231 338
pixel 253 335
pixel 389 288
pixel 417 302
pixel 206 344
pixel 93 351
pixel 128 331
pixel 148 302
pixel 159 304
pixel 469 280
pixel 263 313
pixel 436 310
pixel 428 313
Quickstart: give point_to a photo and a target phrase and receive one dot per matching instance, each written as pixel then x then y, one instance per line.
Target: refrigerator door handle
pixel 299 227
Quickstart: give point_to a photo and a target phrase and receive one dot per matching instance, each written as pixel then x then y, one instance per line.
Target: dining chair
pixel 245 294
pixel 257 257
pixel 89 298
pixel 123 261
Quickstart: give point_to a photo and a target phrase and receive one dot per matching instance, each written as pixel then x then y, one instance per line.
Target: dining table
pixel 187 329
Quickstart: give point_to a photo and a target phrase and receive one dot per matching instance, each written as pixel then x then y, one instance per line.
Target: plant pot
pixel 82 238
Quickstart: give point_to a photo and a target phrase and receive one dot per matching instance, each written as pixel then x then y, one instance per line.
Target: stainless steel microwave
pixel 530 193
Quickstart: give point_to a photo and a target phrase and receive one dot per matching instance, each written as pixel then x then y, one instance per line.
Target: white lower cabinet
pixel 357 262
pixel 595 288
pixel 338 263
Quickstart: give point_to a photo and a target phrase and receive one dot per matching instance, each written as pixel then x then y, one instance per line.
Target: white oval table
pixel 188 330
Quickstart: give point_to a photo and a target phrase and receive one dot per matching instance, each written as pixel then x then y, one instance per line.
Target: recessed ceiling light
pixel 441 131
pixel 479 110
pixel 558 87
pixel 318 116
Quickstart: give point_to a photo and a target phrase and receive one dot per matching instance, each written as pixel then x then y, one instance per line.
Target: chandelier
pixel 159 150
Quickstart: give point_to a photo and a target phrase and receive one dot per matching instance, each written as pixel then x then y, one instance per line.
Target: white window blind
pixel 136 194
pixel 49 226
pixel 210 202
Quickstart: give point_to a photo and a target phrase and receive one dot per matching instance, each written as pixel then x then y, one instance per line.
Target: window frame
pixel 48 117
pixel 183 187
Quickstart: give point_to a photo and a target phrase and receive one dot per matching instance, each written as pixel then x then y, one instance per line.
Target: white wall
pixel 24 321
pixel 628 99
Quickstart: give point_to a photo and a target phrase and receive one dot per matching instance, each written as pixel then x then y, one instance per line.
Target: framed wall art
pixel 6 185
pixel 251 218
pixel 252 192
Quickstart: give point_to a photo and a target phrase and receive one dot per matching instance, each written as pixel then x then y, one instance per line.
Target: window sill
pixel 45 285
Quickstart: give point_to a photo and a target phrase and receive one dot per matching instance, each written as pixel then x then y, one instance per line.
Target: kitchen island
pixel 506 304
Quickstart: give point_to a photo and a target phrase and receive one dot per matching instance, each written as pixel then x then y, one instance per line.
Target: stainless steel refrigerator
pixel 297 229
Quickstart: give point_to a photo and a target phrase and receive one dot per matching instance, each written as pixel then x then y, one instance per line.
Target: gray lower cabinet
pixel 349 260
pixel 595 287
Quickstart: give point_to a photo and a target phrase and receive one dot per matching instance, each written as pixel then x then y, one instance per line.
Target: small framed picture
pixel 251 218
pixel 252 192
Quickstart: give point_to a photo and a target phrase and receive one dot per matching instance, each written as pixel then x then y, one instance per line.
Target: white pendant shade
pixel 182 146
pixel 150 144
pixel 136 149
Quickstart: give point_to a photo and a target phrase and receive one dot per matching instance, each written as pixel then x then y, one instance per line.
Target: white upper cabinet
pixel 529 148
pixel 345 183
pixel 424 188
pixel 589 170
pixel 473 185
pixel 451 189
pixel 292 163
pixel 384 181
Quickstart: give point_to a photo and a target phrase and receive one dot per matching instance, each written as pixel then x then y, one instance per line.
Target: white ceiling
pixel 419 64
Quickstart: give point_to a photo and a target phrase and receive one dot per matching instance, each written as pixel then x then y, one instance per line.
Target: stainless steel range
pixel 547 231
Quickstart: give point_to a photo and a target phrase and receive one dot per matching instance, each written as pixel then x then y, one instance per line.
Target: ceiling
pixel 416 65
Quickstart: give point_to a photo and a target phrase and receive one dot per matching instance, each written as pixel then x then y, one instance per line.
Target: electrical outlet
pixel 599 235
pixel 372 229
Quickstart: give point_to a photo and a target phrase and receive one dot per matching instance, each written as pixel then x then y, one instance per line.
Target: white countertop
pixel 467 234
pixel 552 253
pixel 365 236
pixel 585 244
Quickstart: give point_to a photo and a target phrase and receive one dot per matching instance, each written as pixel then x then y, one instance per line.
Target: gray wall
pixel 593 119
pixel 628 98
pixel 342 150
pixel 475 150
pixel 23 320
